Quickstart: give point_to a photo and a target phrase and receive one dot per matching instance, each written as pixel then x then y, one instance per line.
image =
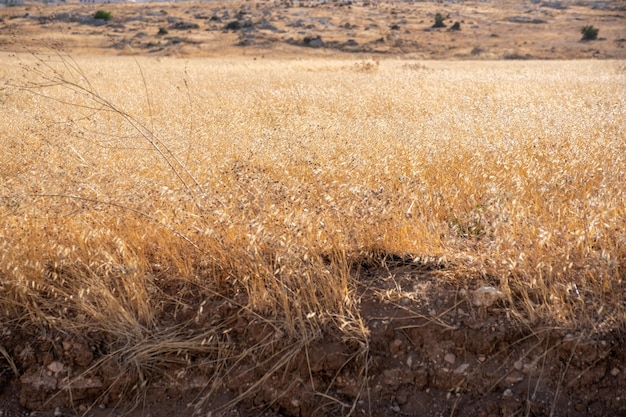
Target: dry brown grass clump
pixel 137 196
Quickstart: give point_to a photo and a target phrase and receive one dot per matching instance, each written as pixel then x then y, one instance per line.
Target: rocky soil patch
pixel 544 30
pixel 433 349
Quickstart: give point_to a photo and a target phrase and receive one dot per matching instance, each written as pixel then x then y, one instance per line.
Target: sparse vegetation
pixel 233 25
pixel 151 234
pixel 103 15
pixel 439 21
pixel 268 29
pixel 589 33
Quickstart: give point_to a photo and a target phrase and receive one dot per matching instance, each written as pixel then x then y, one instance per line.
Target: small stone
pixel 482 358
pixel 295 403
pixel 58 412
pixel 507 393
pixel 486 296
pixel 402 397
pixel 82 408
pixel 450 358
pixel 391 377
pixel 514 378
pixel 67 346
pixel 518 365
pixel 615 371
pixel 569 338
pixel 395 346
pixel 462 368
pixel 529 368
pixel 55 366
pixel 460 312
pixel 102 406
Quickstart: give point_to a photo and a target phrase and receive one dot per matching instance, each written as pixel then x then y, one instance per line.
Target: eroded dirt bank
pixel 433 350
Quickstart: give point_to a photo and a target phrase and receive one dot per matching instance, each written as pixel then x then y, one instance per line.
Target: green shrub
pixel 439 21
pixel 589 33
pixel 103 14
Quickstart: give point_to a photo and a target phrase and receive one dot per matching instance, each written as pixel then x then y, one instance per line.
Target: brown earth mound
pixel 432 349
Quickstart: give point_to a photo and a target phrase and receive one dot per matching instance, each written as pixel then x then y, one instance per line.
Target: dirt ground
pixel 434 349
pixel 486 30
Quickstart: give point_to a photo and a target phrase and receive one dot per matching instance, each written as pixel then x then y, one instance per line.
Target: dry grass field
pixel 199 219
pixel 254 226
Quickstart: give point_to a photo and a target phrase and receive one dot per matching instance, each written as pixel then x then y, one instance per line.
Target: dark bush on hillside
pixel 589 33
pixel 103 15
pixel 439 21
pixel 234 25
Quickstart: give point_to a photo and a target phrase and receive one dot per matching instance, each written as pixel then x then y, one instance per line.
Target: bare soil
pixel 431 351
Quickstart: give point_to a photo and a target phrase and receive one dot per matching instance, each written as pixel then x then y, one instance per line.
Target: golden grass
pixel 268 183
